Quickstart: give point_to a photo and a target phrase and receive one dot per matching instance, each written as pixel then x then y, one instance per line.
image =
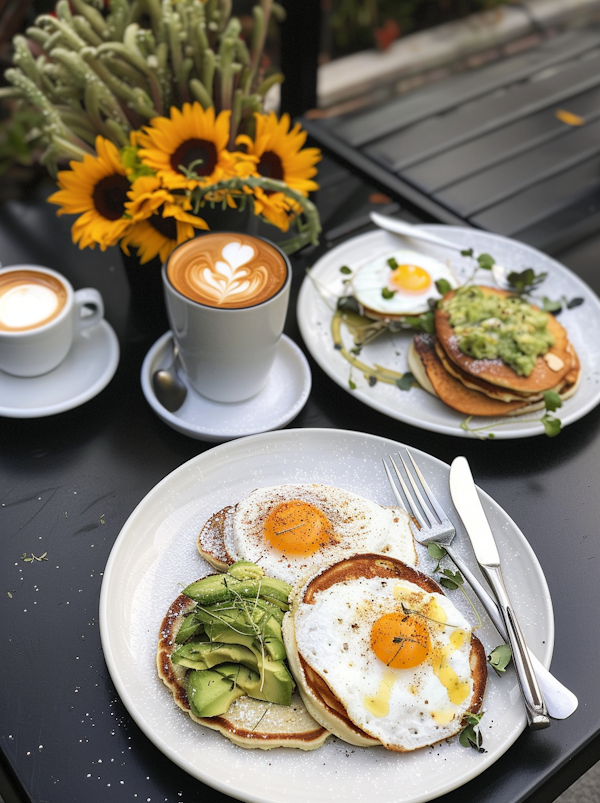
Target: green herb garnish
pixel 552 424
pixel 443 286
pixel 499 658
pixel 406 381
pixel 30 558
pixel 470 735
pixel 449 579
pixel 485 261
pixel 526 280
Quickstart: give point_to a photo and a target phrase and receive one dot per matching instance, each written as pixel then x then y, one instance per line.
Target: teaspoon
pixel 168 387
pixel 408 230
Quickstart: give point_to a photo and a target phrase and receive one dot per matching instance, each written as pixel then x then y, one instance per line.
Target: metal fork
pixel 436 528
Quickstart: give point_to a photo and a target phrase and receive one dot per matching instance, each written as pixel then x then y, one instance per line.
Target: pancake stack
pixel 248 722
pixel 489 387
pixel 402 702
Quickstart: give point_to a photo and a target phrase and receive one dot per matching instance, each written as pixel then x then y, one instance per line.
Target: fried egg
pixel 402 288
pixel 395 655
pixel 293 530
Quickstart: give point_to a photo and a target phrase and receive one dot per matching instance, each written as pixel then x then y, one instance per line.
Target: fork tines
pixel 427 512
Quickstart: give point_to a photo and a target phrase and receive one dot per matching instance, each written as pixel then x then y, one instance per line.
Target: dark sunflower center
pixel 167 226
pixel 270 166
pixel 110 196
pixel 198 155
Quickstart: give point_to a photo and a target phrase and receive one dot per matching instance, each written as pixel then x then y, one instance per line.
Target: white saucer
pixel 280 400
pixel 86 370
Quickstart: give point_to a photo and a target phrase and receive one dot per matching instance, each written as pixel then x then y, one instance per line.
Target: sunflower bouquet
pixel 157 108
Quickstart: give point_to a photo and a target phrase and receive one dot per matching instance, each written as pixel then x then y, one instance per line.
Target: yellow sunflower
pixel 279 152
pixel 96 190
pixel 275 207
pixel 192 139
pixel 160 220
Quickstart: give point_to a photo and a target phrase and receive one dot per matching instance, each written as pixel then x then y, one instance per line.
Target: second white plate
pixel 417 407
pixel 155 555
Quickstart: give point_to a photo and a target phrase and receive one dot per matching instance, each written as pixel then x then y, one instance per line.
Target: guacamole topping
pixel 489 327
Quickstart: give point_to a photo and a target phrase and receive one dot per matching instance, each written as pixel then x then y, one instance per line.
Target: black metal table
pixel 510 147
pixel 69 482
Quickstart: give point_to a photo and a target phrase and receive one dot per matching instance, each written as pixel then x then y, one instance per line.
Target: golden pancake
pixel 248 723
pixel 451 390
pixel 316 687
pixel 548 371
pixel 211 539
pixel 476 383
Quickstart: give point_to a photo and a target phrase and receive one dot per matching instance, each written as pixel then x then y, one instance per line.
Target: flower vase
pixel 238 220
pixel 147 311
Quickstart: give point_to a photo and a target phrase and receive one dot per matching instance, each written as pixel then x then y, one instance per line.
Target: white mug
pixel 227 352
pixel 40 314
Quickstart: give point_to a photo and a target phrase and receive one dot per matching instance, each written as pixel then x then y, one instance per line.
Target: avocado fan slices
pixel 231 642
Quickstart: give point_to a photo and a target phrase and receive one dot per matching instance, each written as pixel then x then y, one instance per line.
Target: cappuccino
pixel 226 270
pixel 40 314
pixel 227 296
pixel 29 299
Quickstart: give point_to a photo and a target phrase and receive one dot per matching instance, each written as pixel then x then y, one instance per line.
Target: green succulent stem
pixel 308 231
pixel 107 68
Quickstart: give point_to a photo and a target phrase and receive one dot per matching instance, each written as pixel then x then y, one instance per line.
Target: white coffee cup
pixel 40 314
pixel 227 311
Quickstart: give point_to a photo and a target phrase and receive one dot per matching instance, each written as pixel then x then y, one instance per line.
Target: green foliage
pixel 470 736
pixel 406 381
pixel 355 24
pixel 499 658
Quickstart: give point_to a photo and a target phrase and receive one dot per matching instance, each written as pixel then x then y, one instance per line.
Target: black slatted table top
pixel 509 147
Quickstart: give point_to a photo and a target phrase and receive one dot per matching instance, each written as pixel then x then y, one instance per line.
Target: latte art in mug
pixel 29 299
pixel 229 271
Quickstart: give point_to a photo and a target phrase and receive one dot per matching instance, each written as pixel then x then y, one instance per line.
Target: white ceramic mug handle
pixel 88 297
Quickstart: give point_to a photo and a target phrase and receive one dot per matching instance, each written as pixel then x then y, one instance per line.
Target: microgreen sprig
pixel 470 735
pixel 499 658
pixel 448 578
pixel 552 424
pixel 31 558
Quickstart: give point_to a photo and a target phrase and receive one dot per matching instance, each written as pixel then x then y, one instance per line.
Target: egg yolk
pixel 297 528
pixel 400 640
pixel 410 279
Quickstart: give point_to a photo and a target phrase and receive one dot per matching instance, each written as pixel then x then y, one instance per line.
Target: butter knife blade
pixel 467 503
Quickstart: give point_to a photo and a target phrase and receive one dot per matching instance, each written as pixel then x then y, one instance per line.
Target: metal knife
pixel 408 230
pixel 466 501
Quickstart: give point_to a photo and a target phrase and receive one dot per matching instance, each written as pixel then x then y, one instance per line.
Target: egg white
pixel 359 525
pixel 369 281
pixel 333 637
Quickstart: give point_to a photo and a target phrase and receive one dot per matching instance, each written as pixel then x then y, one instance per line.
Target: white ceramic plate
pixel 86 370
pixel 155 554
pixel 417 407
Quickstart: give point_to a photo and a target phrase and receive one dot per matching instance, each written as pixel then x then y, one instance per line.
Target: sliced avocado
pixel 235 618
pixel 210 693
pixel 206 655
pixel 245 621
pixel 276 686
pixel 273 646
pixel 189 627
pixel 245 570
pixel 219 587
pixel 220 608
